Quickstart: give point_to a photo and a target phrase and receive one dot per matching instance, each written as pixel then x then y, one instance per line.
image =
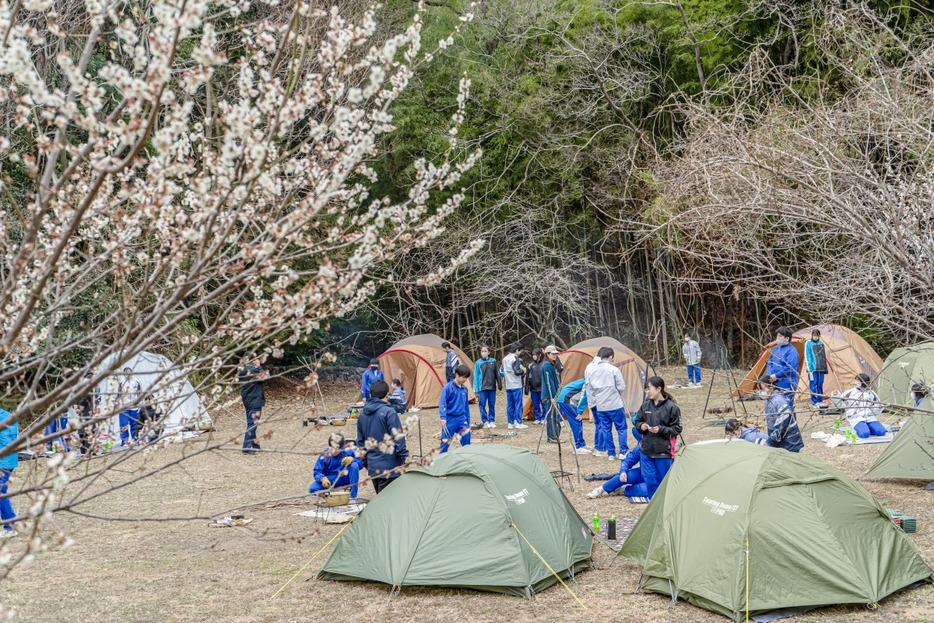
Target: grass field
pixel 183 570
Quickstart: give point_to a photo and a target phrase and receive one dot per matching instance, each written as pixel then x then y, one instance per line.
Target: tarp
pixel 805 534
pixel 418 362
pixel 172 394
pixel 633 367
pixel 470 520
pixel 847 355
pixel 910 456
pixel 903 368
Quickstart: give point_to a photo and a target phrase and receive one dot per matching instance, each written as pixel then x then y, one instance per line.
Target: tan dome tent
pixel 634 369
pixel 418 362
pixel 847 355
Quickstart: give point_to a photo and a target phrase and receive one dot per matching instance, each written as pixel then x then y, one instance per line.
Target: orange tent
pixel 847 355
pixel 418 362
pixel 634 369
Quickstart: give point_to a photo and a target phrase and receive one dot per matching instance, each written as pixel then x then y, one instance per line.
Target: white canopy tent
pixel 170 393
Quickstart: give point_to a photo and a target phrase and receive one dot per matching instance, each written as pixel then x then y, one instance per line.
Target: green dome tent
pixel 910 456
pixel 903 368
pixel 737 519
pixel 469 520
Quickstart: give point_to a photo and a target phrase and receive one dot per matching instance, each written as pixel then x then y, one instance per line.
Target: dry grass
pixel 185 571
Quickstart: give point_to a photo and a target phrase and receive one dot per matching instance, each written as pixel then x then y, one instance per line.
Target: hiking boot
pixel 599 453
pixel 521 426
pixel 583 450
pixel 599 492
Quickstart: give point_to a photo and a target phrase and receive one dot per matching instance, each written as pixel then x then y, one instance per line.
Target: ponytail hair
pixel 659 382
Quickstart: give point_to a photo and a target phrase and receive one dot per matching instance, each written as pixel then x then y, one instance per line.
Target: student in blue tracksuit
pixel 381 438
pixel 337 466
pixel 572 402
pixel 735 429
pixel 630 476
pixel 486 382
pixel 454 409
pixel 780 417
pixel 373 373
pixel 396 397
pixel 815 357
pixel 782 367
pixel 9 431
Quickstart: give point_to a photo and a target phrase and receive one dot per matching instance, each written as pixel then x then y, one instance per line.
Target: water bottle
pixel 596 522
pixel 836 424
pixel 611 528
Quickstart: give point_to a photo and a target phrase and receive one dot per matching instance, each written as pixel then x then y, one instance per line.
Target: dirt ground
pixel 183 570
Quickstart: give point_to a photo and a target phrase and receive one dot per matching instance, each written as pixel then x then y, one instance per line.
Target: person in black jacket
pixel 486 382
pixel 380 438
pixel 254 399
pixel 659 421
pixel 533 385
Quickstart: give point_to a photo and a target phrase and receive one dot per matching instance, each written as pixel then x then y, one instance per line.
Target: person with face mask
pixel 486 382
pixel 373 373
pixel 862 408
pixel 815 356
pixel 692 356
pixel 782 368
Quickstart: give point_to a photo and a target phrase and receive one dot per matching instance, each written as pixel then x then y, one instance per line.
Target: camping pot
pixel 337 498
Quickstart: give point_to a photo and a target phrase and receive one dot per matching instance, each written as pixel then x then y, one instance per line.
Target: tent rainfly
pixel 634 369
pixel 418 362
pixel 847 355
pixel 738 528
pixel 903 368
pixel 489 518
pixel 171 393
pixel 910 456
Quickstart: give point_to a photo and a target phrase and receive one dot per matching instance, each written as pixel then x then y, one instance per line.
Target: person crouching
pixel 337 466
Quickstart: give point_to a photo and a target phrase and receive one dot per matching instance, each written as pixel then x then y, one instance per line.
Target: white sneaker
pixel 511 426
pixel 492 424
pixel 597 493
pixel 613 458
pixel 539 422
pixel 583 450
pixel 599 453
pixel 487 425
pixel 521 426
pixel 8 534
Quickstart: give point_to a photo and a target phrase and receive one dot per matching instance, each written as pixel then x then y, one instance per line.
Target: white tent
pixel 169 390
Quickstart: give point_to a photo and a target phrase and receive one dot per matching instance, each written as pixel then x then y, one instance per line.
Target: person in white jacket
pixel 605 386
pixel 862 408
pixel 692 356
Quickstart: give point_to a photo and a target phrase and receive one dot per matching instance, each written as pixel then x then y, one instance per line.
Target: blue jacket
pixel 814 362
pixel 7 436
pixel 369 375
pixel 567 392
pixel 453 401
pixel 783 426
pixel 377 421
pixel 783 363
pixel 752 434
pixel 486 376
pixel 330 466
pixel 550 381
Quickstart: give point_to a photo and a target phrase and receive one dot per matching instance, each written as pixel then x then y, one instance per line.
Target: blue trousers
pixel 694 373
pixel 617 418
pixel 653 471
pixel 352 477
pixel 552 418
pixel 453 425
pixel 865 429
pixel 817 386
pixel 537 410
pixel 128 425
pixel 635 484
pixel 576 426
pixel 599 442
pixel 249 437
pixel 486 401
pixel 514 406
pixel 55 426
pixel 7 513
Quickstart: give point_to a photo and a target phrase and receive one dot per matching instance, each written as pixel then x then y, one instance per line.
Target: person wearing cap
pixel 337 466
pixel 454 409
pixel 550 387
pixel 253 395
pixel 513 371
pixel 780 417
pixel 373 373
pixel 129 391
pixel 863 407
pixel 451 361
pixel 782 367
pixel 605 387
